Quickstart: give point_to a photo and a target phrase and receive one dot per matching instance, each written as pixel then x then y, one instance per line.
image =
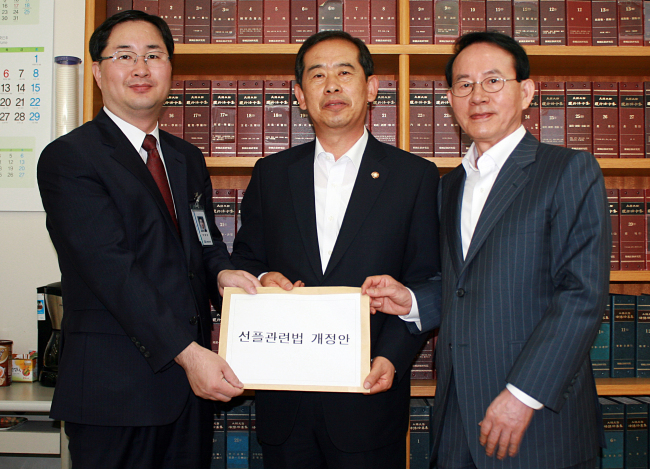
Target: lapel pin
pixel 374 174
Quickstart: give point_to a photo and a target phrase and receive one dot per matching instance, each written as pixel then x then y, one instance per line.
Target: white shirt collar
pixel 135 135
pixel 498 153
pixel 355 153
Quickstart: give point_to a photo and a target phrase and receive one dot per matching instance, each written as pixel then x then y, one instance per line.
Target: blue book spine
pixel 614 424
pixel 623 336
pixel 256 459
pixel 600 350
pixel 420 426
pixel 643 336
pixel 218 443
pixel 237 437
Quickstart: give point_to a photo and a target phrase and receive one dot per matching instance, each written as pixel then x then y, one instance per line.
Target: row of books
pixel 254 118
pixel 608 119
pixel 234 441
pixel 625 420
pixel 622 346
pixel 534 22
pixel 268 21
pixel 630 214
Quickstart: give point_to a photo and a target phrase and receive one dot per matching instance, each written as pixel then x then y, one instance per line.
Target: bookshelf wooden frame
pixel 404 61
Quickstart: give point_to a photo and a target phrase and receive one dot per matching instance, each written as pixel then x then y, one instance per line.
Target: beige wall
pixel 27 258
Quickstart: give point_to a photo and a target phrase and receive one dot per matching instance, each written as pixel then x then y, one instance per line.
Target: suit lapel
pixel 511 180
pixel 301 184
pixel 365 192
pixel 452 204
pixel 124 153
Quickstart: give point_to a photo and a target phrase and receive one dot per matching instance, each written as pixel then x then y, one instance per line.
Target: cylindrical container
pixel 66 102
pixel 5 362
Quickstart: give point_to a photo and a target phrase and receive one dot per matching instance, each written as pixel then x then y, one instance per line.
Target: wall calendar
pixel 26 62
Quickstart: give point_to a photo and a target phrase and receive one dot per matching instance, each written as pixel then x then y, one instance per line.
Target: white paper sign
pixel 304 339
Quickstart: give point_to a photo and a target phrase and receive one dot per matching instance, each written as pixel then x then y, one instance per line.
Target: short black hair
pixel 365 59
pixel 99 39
pixel 508 44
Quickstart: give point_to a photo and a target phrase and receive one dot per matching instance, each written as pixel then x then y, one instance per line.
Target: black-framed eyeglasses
pixel 463 88
pixel 127 58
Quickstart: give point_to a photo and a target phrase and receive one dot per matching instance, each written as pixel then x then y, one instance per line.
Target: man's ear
pixel 97 73
pixel 528 92
pixel 300 96
pixel 373 87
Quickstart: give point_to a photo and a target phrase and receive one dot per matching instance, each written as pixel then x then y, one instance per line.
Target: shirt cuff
pixel 414 315
pixel 259 277
pixel 523 397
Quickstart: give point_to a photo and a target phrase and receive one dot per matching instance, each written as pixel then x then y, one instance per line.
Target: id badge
pixel 201 223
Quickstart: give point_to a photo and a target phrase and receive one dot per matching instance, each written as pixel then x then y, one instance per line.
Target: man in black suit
pixel 330 213
pixel 134 371
pixel 525 246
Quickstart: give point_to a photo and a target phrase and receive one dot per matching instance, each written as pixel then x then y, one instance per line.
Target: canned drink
pixel 5 362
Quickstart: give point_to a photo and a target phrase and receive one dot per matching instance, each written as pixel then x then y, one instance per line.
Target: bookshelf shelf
pixel 605 387
pixel 629 276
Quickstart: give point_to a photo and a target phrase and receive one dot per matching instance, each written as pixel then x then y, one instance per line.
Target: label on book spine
pixel 171 119
pixel 614 213
pixel 304 14
pixel 197 21
pixel 605 122
pixel 250 16
pixel 552 114
pixel 646 23
pixel 383 113
pixel 223 122
pixel 224 21
pixel 116 6
pixel 472 16
pixel 630 23
pixel 330 15
pixel 383 22
pixel 148 6
pixel 173 12
pixel 578 17
pixel 498 15
pixel 603 27
pixel 446 133
pixel 631 125
pixel 624 313
pixel 579 103
pixel 223 204
pixel 646 97
pixel 421 27
pixel 356 19
pixel 632 235
pixel 600 350
pixel 276 22
pixel 531 115
pixel 421 118
pixel 250 118
pixel 446 25
pixel 552 22
pixel 526 21
pixel 643 337
pixel 277 115
pixel 197 114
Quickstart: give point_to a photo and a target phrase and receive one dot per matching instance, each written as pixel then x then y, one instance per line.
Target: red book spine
pixel 240 197
pixel 465 142
pixel 304 14
pixel 250 15
pixel 330 15
pixel 647 226
pixel 277 115
pixel 605 123
pixel 526 21
pixel 223 124
pixel 173 12
pixel 250 118
pixel 224 203
pixel 383 113
pixel 646 95
pixel 302 130
pixel 421 118
pixel 356 19
pixel 197 114
pixel 604 25
pixel 224 21
pixel 422 367
pixel 499 16
pixel 421 26
pixel 631 127
pixel 446 134
pixel 579 104
pixel 171 119
pixel 646 23
pixel 148 6
pixel 472 16
pixel 578 18
pixel 383 22
pixel 630 22
pixel 552 22
pixel 632 235
pixel 553 113
pixel 276 22
pixel 447 22
pixel 197 21
pixel 613 200
pixel 531 115
pixel 116 6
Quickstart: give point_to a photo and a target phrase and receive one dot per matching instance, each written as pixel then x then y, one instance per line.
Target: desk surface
pixel 26 397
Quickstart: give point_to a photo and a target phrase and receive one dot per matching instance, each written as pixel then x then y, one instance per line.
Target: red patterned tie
pixel 157 170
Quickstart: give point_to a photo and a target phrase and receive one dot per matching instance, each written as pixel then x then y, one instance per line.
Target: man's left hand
pixel 238 278
pixel 504 425
pixel 381 375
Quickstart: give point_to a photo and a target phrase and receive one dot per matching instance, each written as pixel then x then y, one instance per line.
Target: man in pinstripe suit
pixel 525 246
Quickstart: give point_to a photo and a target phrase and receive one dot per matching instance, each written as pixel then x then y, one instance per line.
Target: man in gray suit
pixel 525 246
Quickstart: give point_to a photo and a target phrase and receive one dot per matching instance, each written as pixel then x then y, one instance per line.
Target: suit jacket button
pixel 147 355
pixel 566 395
pixel 460 292
pixel 191 275
pixel 193 320
pixel 143 349
pixel 134 340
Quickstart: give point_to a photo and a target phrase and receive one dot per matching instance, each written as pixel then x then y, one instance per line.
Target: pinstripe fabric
pixel 525 305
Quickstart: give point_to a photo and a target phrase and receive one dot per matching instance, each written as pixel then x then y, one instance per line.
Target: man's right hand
pixel 387 295
pixel 276 279
pixel 209 374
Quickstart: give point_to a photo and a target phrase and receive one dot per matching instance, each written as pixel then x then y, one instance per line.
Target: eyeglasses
pixel 127 58
pixel 462 88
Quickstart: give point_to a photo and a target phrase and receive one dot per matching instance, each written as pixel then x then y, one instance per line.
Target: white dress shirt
pixel 481 173
pixel 136 137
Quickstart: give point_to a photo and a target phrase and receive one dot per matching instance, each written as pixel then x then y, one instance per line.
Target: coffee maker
pixel 50 314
